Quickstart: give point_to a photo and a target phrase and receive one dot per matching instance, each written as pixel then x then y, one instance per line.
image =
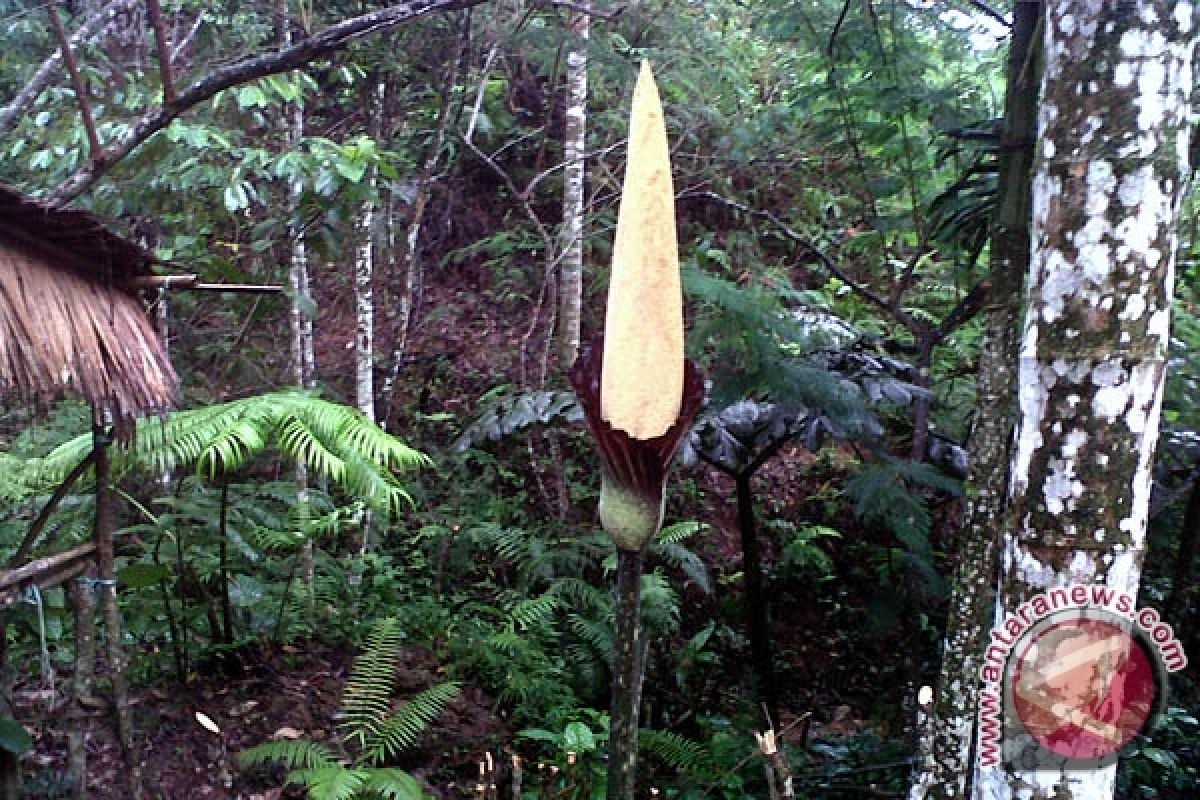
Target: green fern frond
pixel 334 441
pixel 403 729
pixel 367 696
pixel 581 595
pixel 597 634
pixel 330 783
pixel 679 532
pixel 290 754
pixel 675 751
pixel 686 561
pixel 392 784
pixel 534 611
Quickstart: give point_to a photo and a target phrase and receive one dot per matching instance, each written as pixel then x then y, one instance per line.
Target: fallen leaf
pixel 287 732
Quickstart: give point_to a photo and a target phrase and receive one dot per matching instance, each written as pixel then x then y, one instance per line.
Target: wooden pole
pixel 106 579
pixel 83 602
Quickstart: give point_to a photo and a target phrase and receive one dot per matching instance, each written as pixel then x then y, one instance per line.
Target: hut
pixel 71 317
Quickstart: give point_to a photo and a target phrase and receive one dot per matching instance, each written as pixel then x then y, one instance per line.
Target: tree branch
pixel 585 8
pixel 91 29
pixel 858 288
pixel 284 60
pixel 164 51
pixel 96 152
pixel 991 12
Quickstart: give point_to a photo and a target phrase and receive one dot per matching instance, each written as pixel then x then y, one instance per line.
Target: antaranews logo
pixel 1071 677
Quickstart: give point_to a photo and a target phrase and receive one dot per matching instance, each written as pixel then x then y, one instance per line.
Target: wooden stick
pixel 105 523
pixel 84 604
pixel 45 572
pixel 35 530
pixel 191 282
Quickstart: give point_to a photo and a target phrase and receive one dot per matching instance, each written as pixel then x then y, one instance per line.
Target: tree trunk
pixel 410 262
pixel 574 146
pixel 107 581
pixel 1108 176
pixel 364 271
pixel 756 598
pixel 1185 556
pixel 944 761
pixel 303 359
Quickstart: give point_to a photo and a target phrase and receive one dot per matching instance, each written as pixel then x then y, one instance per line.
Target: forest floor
pixel 283 692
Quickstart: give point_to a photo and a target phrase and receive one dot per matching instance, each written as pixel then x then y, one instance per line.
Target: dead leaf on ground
pixel 287 732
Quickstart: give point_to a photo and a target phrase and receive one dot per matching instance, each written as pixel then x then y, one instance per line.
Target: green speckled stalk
pixel 626 678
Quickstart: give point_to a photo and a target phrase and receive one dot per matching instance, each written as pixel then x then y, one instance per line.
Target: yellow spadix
pixel 642 368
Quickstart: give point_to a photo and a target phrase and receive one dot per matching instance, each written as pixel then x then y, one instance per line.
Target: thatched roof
pixel 70 317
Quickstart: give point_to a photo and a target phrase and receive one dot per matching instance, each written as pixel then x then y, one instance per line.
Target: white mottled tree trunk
pixel 946 723
pixel 575 140
pixel 1108 176
pixel 364 276
pixel 364 307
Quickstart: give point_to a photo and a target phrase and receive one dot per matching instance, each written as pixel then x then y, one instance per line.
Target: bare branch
pixel 81 95
pixel 186 39
pixel 991 12
pixel 860 289
pixel 286 59
pixel 164 51
pixel 94 27
pixel 586 8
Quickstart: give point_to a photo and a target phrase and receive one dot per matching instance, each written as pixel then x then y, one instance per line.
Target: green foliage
pixel 13 737
pixel 368 723
pixel 334 441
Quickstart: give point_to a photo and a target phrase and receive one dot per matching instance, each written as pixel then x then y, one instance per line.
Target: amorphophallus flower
pixel 639 396
pixel 637 391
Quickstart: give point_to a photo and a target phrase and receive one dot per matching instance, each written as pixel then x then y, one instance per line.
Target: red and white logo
pixel 1083 688
pixel 1071 676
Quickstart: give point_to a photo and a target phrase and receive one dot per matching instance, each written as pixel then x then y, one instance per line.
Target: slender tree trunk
pixel 756 598
pixel 1185 556
pixel 575 146
pixel 83 604
pixel 627 676
pixel 410 263
pixel 303 358
pixel 944 762
pixel 364 295
pixel 227 634
pixel 106 574
pixel 1108 177
pixel 364 272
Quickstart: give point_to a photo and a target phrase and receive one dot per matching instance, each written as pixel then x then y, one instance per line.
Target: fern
pixel 403 729
pixel 366 699
pixel 534 611
pixel 334 441
pixel 368 721
pixel 291 754
pixel 675 751
pixel 330 783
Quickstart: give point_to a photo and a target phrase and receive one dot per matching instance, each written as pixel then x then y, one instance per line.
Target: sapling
pixel 639 397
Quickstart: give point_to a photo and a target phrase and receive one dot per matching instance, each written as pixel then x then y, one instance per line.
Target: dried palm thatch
pixel 70 317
